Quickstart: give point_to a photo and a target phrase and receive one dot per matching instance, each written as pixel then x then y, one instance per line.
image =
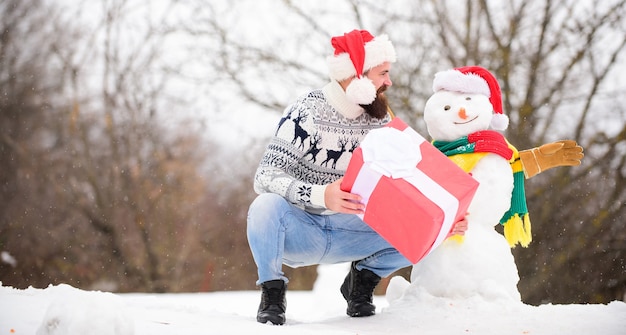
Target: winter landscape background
pixel 131 130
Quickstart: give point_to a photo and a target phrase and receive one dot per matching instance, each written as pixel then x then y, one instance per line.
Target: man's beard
pixel 379 107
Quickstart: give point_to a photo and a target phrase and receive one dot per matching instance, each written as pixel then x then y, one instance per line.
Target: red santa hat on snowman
pixel 355 53
pixel 474 80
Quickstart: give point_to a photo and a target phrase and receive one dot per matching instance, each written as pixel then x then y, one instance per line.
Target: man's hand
pixel 457 233
pixel 460 227
pixel 341 201
pixel 547 156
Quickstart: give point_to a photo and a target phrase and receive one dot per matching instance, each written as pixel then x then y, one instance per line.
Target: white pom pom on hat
pixel 499 121
pixel 475 80
pixel 355 53
pixel 361 91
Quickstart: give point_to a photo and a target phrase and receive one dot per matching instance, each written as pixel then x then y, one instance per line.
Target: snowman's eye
pixel 468 98
pixel 446 107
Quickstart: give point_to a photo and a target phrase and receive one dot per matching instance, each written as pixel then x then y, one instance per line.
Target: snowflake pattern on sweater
pixel 312 147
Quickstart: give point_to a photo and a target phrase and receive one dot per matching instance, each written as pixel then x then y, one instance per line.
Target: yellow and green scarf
pixel 468 150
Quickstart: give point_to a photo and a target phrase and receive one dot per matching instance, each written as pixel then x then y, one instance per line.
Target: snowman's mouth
pixel 468 121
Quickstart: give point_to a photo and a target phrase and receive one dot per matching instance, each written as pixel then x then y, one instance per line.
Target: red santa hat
pixel 355 53
pixel 474 80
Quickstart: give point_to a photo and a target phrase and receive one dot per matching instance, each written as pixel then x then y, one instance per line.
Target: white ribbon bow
pixel 391 152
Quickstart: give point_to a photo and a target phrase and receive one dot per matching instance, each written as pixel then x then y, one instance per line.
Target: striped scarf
pixel 468 150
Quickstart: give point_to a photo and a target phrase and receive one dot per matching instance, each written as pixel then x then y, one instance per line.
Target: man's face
pixel 379 75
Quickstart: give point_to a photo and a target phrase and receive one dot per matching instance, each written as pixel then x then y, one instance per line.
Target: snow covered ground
pixel 66 310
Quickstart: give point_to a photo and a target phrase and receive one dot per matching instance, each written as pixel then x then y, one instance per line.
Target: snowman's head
pixel 451 115
pixel 472 96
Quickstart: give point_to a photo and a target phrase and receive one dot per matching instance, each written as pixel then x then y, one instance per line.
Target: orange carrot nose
pixel 462 113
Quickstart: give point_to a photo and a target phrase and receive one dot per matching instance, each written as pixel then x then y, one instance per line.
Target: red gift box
pixel 413 193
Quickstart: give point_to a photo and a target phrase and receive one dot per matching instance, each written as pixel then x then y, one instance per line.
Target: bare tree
pixel 27 143
pixel 138 186
pixel 101 191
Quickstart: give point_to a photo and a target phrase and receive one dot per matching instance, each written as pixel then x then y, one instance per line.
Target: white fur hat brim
pixel 455 81
pixel 377 51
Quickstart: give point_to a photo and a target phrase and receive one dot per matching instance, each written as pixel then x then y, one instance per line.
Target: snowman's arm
pixel 547 156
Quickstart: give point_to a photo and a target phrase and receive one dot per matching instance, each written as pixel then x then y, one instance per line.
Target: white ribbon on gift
pixel 395 154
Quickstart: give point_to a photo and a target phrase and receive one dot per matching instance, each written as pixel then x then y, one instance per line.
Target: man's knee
pixel 265 203
pixel 266 210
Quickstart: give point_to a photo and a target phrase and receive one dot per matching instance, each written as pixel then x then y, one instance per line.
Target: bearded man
pixel 301 216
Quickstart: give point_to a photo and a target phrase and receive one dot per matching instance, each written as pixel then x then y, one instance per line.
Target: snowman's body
pixel 482 264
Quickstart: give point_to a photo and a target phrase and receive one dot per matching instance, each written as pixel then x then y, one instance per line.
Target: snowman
pixel 462 117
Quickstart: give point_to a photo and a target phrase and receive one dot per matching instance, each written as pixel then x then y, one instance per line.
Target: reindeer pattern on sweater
pixel 312 145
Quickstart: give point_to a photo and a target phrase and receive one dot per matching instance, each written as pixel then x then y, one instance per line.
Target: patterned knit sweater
pixel 312 146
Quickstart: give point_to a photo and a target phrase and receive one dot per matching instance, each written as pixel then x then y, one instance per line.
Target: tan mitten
pixel 547 156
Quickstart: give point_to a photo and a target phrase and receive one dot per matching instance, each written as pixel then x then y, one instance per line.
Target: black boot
pixel 357 289
pixel 273 303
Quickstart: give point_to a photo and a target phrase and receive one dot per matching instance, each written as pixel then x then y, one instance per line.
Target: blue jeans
pixel 281 233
